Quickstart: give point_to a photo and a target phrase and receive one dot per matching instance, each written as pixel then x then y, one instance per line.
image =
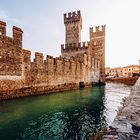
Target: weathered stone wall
pixel 126 125
pixel 43 76
pixel 56 71
pixel 75 51
pixel 97 40
pixel 10 51
pixel 21 77
pixel 84 54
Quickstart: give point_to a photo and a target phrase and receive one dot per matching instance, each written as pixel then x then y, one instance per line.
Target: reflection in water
pixel 67 115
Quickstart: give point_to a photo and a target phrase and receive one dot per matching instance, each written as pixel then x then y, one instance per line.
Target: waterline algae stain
pixel 67 115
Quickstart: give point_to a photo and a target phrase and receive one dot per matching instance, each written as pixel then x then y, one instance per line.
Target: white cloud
pixel 9 20
pixel 4 16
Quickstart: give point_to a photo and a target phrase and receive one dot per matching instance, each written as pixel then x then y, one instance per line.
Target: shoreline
pixel 43 89
pixel 127 80
pixel 38 90
pixel 126 125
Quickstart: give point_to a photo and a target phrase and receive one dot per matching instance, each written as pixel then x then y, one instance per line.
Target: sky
pixel 44 30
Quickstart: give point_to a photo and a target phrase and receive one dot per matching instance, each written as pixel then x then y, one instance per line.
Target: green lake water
pixel 70 115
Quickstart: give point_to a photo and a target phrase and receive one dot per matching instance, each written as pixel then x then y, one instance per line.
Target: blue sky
pixel 42 23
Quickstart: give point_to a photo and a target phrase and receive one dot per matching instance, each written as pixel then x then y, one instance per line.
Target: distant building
pixel 126 71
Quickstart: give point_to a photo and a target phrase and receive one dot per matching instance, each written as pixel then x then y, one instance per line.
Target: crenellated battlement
pixel 26 54
pixel 17 29
pixel 17 32
pixel 15 40
pixel 59 58
pixel 97 31
pixel 72 17
pixel 98 28
pixel 2 23
pixel 38 59
pixel 51 64
pixel 49 56
pixel 2 28
pixel 75 46
pixel 10 51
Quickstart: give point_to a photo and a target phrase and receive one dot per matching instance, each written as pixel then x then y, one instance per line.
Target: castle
pixel 79 62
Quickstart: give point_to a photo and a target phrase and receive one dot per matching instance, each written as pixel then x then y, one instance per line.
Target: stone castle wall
pixel 19 76
pixel 53 71
pixel 10 51
pixel 77 51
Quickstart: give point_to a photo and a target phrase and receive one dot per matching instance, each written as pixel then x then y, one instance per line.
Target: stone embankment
pixel 36 90
pixel 126 125
pixel 127 80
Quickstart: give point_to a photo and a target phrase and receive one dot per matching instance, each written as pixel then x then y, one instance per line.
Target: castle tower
pixel 73 25
pixel 97 39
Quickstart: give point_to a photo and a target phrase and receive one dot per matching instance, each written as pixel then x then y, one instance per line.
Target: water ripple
pixel 71 115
